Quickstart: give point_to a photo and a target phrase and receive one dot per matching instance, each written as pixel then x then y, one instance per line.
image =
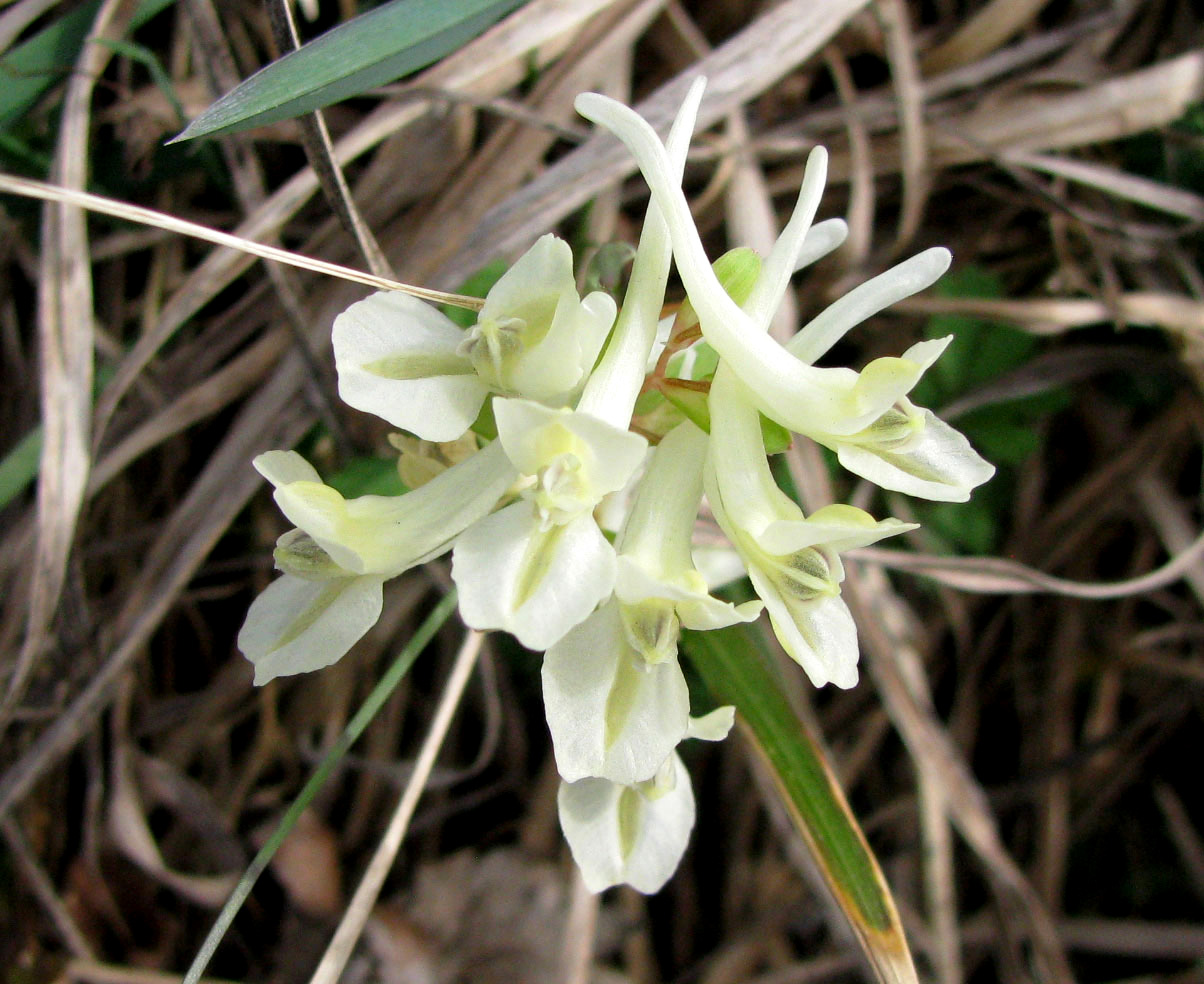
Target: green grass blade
pixel 734 664
pixel 355 727
pixel 32 67
pixel 370 50
pixel 19 467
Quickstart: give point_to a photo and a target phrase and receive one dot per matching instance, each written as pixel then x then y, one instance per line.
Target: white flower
pixel 541 565
pixel 834 405
pixel 344 550
pixel 633 834
pixel 793 560
pixel 411 365
pixel 378 534
pixel 612 714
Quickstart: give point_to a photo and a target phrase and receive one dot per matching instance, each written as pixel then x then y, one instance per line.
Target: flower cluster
pixel 613 421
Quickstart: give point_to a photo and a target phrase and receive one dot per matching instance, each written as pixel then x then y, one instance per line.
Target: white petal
pixel 562 333
pixel 376 534
pixel 534 584
pixel 538 278
pixel 714 726
pixel 861 303
pixel 391 335
pixel 296 626
pixel 610 715
pixel 533 434
pixel 694 606
pixel 940 464
pixel 818 634
pixel 617 835
pixel 838 526
pixel 283 467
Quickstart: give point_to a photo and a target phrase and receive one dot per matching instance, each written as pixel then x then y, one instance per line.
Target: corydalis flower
pixel 836 406
pixel 413 366
pixel 793 561
pixel 540 566
pixel 337 560
pixel 616 699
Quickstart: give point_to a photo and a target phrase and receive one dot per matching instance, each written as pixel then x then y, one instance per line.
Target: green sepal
pixel 738 271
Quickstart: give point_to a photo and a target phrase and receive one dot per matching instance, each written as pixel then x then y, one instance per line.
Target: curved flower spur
pixel 560 377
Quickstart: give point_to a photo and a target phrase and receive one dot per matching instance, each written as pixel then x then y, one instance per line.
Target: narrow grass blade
pixel 377 47
pixel 355 727
pixel 735 667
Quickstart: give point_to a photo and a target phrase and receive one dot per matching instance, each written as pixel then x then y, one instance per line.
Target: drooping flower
pixel 793 561
pixel 616 699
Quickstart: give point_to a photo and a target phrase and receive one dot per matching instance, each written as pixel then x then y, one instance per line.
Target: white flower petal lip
pixel 388 534
pixel 837 527
pixel 819 634
pixel 618 834
pixel 396 358
pixel 714 726
pixel 296 625
pixel 534 584
pixel 939 464
pixel 695 607
pixel 285 467
pixel 610 716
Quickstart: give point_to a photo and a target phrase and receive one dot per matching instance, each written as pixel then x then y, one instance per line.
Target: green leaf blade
pixel 373 49
pixel 734 665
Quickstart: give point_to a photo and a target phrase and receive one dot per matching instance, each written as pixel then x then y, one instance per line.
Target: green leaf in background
pixel 734 664
pixel 19 467
pixel 1006 433
pixel 478 285
pixel 32 67
pixel 367 476
pixel 373 49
